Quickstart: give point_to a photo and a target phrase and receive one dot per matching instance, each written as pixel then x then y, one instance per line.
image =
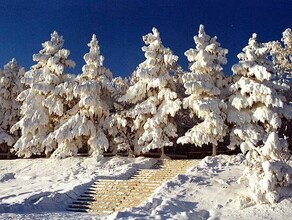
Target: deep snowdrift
pixel 42 189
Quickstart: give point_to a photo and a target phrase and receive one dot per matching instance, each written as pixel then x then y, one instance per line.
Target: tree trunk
pixel 162 152
pixel 214 150
pixel 48 154
pixel 9 154
pixel 163 156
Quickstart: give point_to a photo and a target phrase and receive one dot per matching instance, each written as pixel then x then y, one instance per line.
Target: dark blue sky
pixel 120 25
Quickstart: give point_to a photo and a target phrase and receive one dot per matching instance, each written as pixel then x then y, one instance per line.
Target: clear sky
pixel 120 25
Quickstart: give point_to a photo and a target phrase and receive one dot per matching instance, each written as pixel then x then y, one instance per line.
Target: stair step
pixel 101 212
pixel 75 210
pixel 85 196
pixel 81 203
pixel 86 199
pixel 114 190
pixel 78 206
pixel 89 193
pixel 103 203
pixel 103 208
pixel 107 200
pixel 115 182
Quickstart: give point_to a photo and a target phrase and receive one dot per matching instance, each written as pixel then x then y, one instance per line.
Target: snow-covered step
pixel 104 206
pixel 99 183
pixel 106 196
pixel 116 188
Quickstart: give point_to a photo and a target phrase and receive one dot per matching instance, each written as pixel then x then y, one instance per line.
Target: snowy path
pixel 107 195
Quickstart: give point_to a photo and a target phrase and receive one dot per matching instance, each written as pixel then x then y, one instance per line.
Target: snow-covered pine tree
pixel 10 88
pixel 121 137
pixel 153 98
pixel 120 128
pixel 282 54
pixel 87 123
pixel 255 110
pixel 41 108
pixel 202 87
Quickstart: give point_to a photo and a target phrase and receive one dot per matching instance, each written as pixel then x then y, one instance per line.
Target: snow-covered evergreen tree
pixel 152 97
pixel 255 110
pixel 121 85
pixel 120 128
pixel 41 107
pixel 10 88
pixel 122 139
pixel 87 122
pixel 202 87
pixel 255 102
pixel 282 54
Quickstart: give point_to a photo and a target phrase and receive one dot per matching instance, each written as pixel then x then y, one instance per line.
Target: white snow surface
pixel 42 189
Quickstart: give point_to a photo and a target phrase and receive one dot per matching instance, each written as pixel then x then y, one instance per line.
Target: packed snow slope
pixel 42 189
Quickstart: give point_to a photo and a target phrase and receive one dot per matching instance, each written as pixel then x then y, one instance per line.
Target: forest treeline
pixel 47 111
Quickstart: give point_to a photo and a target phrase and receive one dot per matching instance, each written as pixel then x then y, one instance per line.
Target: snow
pixel 43 188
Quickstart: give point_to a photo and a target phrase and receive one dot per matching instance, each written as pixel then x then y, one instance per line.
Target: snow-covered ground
pixel 43 188
pixel 49 185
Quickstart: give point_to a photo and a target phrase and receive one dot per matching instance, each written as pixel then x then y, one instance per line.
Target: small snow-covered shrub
pixel 266 171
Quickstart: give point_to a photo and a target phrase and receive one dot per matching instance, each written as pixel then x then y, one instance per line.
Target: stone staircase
pixel 106 196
